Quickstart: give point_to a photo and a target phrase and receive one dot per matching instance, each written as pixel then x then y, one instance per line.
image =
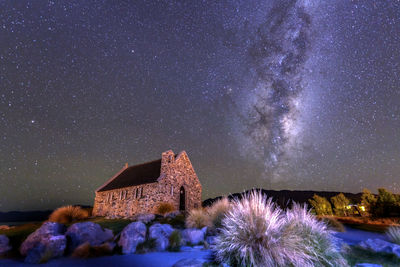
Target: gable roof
pixel 135 175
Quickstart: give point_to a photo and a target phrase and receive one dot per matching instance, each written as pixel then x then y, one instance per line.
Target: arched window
pixel 137 192
pixel 172 190
pixel 141 192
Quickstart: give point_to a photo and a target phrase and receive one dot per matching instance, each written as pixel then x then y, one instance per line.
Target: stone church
pixel 142 188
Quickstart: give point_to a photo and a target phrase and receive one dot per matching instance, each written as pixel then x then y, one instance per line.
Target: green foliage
pixel 147 246
pixel 18 234
pixel 321 205
pixel 177 222
pixel 368 200
pixel 356 255
pixel 175 241
pixel 340 205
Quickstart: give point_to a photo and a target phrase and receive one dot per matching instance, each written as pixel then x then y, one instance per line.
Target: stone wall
pixel 128 201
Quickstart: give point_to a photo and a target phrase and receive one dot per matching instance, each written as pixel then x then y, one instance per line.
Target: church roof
pixel 134 175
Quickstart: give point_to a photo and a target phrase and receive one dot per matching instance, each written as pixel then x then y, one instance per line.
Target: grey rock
pixel 161 233
pixel 190 262
pixel 193 235
pixel 4 244
pixel 52 247
pixel 45 243
pixel 379 245
pixel 132 235
pixel 172 214
pixel 80 233
pixel 145 217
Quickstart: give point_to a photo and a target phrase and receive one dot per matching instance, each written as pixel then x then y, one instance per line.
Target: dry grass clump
pixel 314 239
pixel 197 218
pixel 68 214
pixel 255 232
pixel 165 208
pixel 393 233
pixel 87 251
pixel 218 211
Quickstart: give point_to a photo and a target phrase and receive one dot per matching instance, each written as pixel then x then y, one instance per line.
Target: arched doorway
pixel 182 198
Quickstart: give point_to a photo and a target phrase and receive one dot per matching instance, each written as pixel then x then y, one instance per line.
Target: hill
pixel 284 197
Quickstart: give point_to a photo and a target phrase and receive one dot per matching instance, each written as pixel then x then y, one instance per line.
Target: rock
pixel 367 265
pixel 379 245
pixel 4 244
pixel 172 214
pixel 191 262
pixel 52 247
pixel 211 240
pixel 80 233
pixel 132 235
pixel 45 243
pixel 161 233
pixel 145 217
pixel 193 236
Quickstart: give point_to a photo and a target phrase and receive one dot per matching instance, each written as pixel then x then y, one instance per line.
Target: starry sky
pixel 294 94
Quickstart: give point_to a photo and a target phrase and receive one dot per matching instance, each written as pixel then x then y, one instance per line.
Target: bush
pixel 313 239
pixel 321 205
pixel 393 233
pixel 218 211
pixel 251 233
pixel 340 205
pixel 164 208
pixel 68 214
pixel 175 241
pixel 368 200
pixel 197 218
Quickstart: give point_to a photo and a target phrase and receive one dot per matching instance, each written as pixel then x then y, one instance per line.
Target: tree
pixel 321 205
pixel 368 200
pixel 340 205
pixel 386 203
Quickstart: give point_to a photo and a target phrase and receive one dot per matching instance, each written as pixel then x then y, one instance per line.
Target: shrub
pixel 175 241
pixel 218 211
pixel 164 208
pixel 368 200
pixel 147 246
pixel 340 205
pixel 393 233
pixel 197 218
pixel 251 233
pixel 313 238
pixel 68 214
pixel 321 205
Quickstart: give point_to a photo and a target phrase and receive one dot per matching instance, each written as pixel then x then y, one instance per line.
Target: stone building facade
pixel 142 188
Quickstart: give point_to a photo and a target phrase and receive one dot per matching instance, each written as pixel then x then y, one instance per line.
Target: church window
pixel 172 190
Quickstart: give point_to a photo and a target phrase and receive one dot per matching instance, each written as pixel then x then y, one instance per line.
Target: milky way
pixel 277 54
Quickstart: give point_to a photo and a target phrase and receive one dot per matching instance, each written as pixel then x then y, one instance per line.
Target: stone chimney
pixel 167 161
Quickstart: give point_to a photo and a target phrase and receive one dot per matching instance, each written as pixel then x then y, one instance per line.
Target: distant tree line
pixel 384 204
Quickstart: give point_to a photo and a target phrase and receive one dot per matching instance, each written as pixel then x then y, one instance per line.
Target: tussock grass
pixel 218 211
pixel 393 233
pixel 68 214
pixel 197 218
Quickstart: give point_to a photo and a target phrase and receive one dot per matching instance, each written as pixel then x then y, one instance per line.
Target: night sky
pixel 274 94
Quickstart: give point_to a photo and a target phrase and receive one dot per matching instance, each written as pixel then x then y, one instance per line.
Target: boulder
pixel 4 244
pixel 90 232
pixel 190 262
pixel 161 233
pixel 172 214
pixel 132 235
pixel 45 243
pixel 194 236
pixel 379 245
pixel 144 218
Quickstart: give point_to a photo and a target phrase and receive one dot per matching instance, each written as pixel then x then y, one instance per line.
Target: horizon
pixel 297 95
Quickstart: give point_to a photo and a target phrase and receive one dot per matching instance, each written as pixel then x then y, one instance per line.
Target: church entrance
pixel 182 199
